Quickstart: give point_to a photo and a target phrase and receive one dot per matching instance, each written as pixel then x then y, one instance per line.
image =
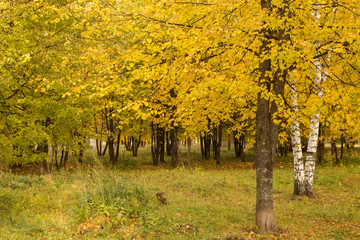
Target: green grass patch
pixel 95 201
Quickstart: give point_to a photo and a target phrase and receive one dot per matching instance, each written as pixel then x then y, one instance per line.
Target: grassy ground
pixel 94 201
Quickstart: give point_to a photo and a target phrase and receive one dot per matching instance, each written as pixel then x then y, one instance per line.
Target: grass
pixel 94 201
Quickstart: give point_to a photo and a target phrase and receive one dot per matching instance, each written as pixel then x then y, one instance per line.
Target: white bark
pixel 304 180
pixel 299 174
pixel 313 137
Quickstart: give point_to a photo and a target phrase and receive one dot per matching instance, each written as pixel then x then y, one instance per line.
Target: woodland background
pixel 225 106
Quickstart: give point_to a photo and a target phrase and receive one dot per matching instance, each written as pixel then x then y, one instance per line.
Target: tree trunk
pixel 334 148
pixel 236 146
pixel 136 145
pixel 320 76
pixel 217 142
pixel 128 143
pixel 168 144
pixel 266 135
pixel 174 147
pixel 321 144
pixel 207 143
pixel 43 148
pixel 264 158
pixel 117 147
pixel 154 146
pixel 111 142
pixel 342 146
pixel 202 147
pixel 313 136
pixel 161 143
pixel 64 156
pixel 299 172
pixel 239 146
pixel 189 151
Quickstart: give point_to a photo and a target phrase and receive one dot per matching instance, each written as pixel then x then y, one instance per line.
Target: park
pixel 157 119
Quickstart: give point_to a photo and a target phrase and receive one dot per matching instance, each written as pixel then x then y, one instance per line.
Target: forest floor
pixel 95 201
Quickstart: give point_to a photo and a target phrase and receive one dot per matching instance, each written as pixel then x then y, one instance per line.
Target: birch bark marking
pixel 314 130
pixel 299 174
pixel 319 77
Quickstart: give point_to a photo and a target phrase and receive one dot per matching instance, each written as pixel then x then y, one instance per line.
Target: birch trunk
pixel 314 131
pixel 311 155
pixel 299 174
pixel 320 76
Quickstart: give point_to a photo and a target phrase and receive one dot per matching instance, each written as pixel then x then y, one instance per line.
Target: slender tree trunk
pixel 117 147
pixel 154 146
pixel 55 149
pixel 111 142
pixel 342 146
pixel 217 143
pixel 136 145
pixel 189 151
pixel 128 141
pixel 168 144
pixel 313 136
pixel 202 147
pixel 174 148
pixel 320 76
pixel 321 144
pixel 64 156
pixel 105 148
pixel 161 143
pixel 311 155
pixel 299 171
pixel 236 146
pixel 242 152
pixel 334 148
pixel 207 141
pixel 44 149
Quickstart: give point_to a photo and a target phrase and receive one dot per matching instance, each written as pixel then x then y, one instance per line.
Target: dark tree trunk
pixel 266 130
pixel 111 150
pixel 55 150
pixel 80 144
pixel 217 137
pixel 342 146
pixel 128 143
pixel 105 148
pixel 168 144
pixel 189 151
pixel 98 147
pixel 174 148
pixel 117 147
pixel 64 157
pixel 236 147
pixel 154 145
pixel 334 150
pixel 136 144
pixel 207 141
pixel 321 145
pixel 239 146
pixel 43 148
pixel 202 147
pixel 242 147
pixel 161 143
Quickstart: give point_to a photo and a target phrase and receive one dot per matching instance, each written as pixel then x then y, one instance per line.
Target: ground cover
pixel 94 201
